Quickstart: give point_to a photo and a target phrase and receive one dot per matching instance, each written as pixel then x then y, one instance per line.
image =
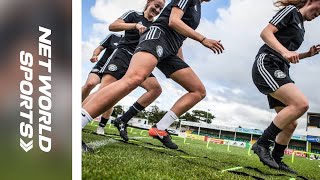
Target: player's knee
pixel 157 91
pixel 302 106
pixel 135 80
pixel 305 106
pixel 291 128
pixel 201 91
pixel 90 85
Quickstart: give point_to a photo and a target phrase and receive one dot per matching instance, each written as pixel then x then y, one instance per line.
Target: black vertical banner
pixel 35 106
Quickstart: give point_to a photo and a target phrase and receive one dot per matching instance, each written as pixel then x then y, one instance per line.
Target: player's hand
pixel 141 28
pixel 315 49
pixel 214 45
pixel 94 59
pixel 291 56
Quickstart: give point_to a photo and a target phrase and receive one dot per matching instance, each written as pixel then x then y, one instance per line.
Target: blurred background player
pixel 109 44
pixel 134 24
pixel 282 36
pixel 159 46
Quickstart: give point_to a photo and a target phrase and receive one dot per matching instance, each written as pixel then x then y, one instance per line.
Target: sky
pixel 231 95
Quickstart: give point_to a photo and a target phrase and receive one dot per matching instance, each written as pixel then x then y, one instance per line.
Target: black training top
pixel 110 43
pixel 289 22
pixel 191 17
pixel 131 37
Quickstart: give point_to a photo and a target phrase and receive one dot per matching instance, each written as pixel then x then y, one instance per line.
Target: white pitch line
pixel 232 169
pixel 139 137
pixel 97 144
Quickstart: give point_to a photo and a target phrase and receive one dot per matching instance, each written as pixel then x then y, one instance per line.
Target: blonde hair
pixel 147 5
pixel 297 3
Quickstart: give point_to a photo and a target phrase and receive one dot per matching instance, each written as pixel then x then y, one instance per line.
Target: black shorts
pixel 154 41
pixel 172 65
pixel 117 64
pixel 269 73
pixel 274 102
pixel 98 66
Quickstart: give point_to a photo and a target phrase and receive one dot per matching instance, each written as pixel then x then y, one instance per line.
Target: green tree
pixel 117 110
pixel 189 117
pixel 142 114
pixel 155 114
pixel 203 115
pixel 198 115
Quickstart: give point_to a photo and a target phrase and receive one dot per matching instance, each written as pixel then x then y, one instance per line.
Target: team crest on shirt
pixel 112 67
pixel 279 74
pixel 195 7
pixel 95 70
pixel 159 50
pixel 116 44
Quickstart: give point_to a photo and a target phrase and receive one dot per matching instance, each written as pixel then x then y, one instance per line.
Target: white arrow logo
pixel 161 137
pixel 26 147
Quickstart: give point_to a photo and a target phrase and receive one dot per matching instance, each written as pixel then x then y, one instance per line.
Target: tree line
pixel 154 114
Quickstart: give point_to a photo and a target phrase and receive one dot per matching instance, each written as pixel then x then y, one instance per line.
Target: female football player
pixel 282 36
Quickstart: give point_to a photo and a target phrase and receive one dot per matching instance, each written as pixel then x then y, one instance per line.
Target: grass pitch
pixel 146 158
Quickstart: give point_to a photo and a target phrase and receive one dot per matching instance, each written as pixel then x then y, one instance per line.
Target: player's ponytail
pixel 298 3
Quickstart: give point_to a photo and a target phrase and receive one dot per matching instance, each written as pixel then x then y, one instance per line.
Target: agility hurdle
pixel 192 137
pixel 303 152
pixel 221 140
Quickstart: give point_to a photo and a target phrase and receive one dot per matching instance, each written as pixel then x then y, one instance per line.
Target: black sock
pixel 278 152
pixel 103 122
pixel 269 135
pixel 133 110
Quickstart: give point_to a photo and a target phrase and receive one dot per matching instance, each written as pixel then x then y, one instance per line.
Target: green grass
pixel 146 158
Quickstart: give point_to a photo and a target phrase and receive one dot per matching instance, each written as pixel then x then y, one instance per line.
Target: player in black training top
pixel 133 23
pixel 160 45
pixel 109 44
pixel 282 36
